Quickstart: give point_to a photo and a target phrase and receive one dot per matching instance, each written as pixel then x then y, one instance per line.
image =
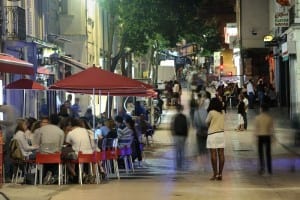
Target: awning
pixel 24 84
pixel 72 62
pixel 10 64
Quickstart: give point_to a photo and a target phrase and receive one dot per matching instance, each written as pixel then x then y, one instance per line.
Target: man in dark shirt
pixel 180 128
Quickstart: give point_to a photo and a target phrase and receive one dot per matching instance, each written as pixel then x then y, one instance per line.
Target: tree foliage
pixel 142 24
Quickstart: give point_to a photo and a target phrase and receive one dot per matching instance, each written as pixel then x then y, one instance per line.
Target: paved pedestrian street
pixel 157 179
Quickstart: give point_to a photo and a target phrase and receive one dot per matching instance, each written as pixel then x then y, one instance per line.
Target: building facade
pixel 269 38
pixel 53 35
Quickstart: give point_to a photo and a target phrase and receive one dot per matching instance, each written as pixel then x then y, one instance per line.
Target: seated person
pixel 49 136
pixel 107 135
pixel 125 135
pixel 80 139
pixel 29 152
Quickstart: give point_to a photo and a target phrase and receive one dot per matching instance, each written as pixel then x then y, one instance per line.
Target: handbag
pixel 68 153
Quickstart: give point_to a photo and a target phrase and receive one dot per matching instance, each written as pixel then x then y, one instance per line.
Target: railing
pixel 14 23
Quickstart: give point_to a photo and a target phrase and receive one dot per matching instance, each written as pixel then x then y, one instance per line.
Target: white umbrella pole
pixel 94 109
pixel 24 103
pixel 108 107
pixel 100 103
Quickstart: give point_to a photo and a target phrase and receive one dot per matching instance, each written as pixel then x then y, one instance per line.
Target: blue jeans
pixel 179 151
pixel 260 97
pixel 251 100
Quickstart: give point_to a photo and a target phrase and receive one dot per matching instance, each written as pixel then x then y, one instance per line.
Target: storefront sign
pixel 282 19
pixel 284 51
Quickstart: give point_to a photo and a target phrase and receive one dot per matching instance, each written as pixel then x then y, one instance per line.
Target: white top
pixel 81 140
pixel 246 102
pixel 176 88
pixel 250 88
pixel 23 143
pixel 50 138
pixel 215 121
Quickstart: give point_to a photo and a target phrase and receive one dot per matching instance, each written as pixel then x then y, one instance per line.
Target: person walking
pixel 251 94
pixel 246 103
pixel 264 130
pixel 179 127
pixel 201 131
pixel 193 106
pixel 260 88
pixel 216 137
pixel 241 113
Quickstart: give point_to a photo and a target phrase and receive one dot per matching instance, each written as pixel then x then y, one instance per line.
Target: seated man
pixel 49 137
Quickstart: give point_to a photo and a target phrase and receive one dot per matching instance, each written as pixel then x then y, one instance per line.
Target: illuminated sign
pixel 270 41
pixel 268 38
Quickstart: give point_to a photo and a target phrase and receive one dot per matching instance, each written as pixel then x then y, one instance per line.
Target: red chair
pixel 88 159
pixel 112 156
pixel 54 158
pixel 101 158
pixel 125 153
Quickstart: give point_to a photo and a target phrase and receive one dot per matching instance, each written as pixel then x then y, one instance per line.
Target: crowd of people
pixel 207 109
pixel 69 132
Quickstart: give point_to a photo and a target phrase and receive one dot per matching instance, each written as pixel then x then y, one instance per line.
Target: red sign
pixel 283 2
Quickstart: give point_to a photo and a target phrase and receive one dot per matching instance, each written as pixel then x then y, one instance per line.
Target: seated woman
pixel 125 135
pixel 28 151
pixel 80 139
pixel 134 142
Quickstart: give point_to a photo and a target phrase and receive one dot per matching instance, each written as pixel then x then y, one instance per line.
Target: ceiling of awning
pixel 72 62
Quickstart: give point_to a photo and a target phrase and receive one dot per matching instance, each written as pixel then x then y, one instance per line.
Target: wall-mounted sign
pixel 282 19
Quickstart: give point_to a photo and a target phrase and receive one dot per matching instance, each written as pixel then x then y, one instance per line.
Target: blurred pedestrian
pixel 246 103
pixel 75 108
pixel 176 92
pixel 241 113
pixel 200 125
pixel 216 137
pixel 264 130
pixel 179 127
pixel 251 94
pixel 193 106
pixel 89 116
pixel 260 88
pixel 44 110
pixel 8 125
pixel 68 104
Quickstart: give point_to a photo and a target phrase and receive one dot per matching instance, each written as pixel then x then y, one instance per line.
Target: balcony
pixel 14 23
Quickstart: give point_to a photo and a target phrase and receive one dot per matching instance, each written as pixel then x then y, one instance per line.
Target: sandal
pixel 219 177
pixel 214 177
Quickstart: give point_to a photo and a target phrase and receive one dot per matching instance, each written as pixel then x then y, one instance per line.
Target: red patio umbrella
pixel 98 79
pixel 10 64
pixel 25 84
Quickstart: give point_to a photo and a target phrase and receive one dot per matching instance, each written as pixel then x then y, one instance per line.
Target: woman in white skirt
pixel 216 138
